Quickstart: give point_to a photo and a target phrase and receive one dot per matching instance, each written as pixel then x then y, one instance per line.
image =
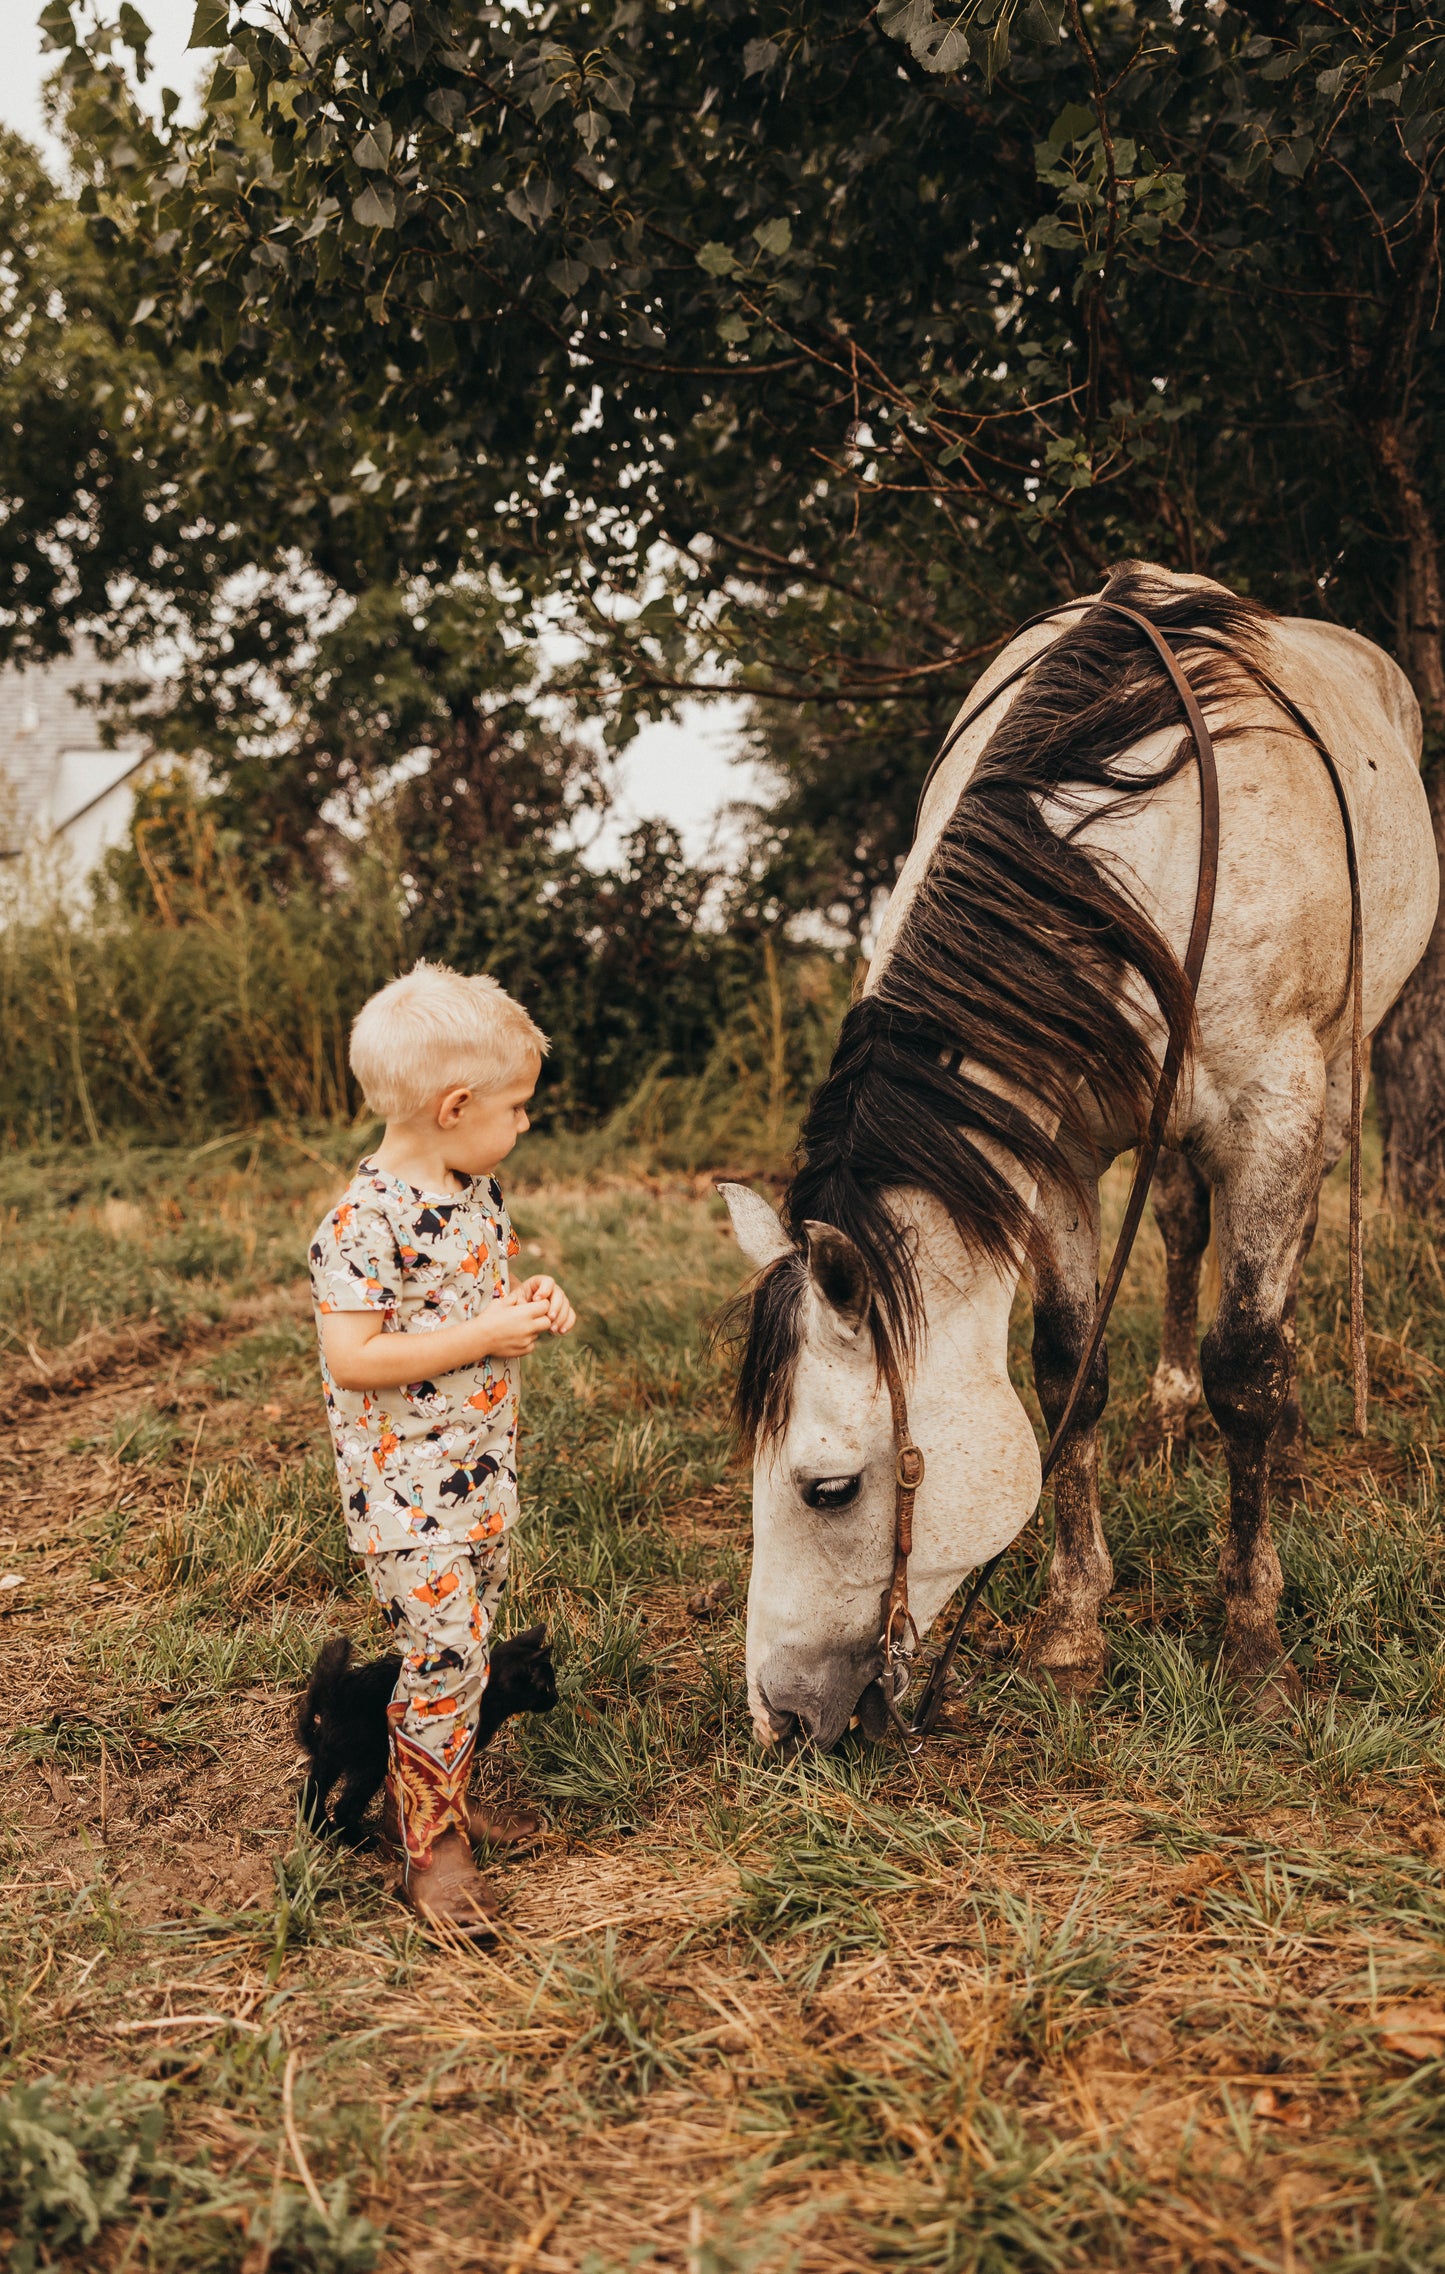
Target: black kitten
pixel 341 1722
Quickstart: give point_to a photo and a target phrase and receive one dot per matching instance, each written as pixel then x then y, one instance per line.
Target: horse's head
pixel 824 1458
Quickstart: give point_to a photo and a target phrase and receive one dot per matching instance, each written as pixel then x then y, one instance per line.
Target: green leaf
pixel 912 23
pixel 775 236
pixel 134 29
pixel 57 24
pixel 716 259
pixel 952 51
pixel 447 106
pixel 374 148
pixel 320 221
pixel 760 55
pixel 211 26
pixel 568 276
pixel 1396 50
pixel 534 202
pixel 733 330
pixel 375 208
pixel 1075 123
pixel 616 90
pixel 1043 20
pixel 1293 161
pixel 1049 230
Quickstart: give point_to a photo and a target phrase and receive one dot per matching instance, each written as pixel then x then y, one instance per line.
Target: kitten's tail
pixel 327 1674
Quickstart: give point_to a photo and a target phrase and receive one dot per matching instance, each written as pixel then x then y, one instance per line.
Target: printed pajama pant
pixel 440 1603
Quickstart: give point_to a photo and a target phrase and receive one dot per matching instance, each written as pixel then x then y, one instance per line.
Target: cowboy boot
pixel 449 1892
pixel 425 1817
pixel 498 1827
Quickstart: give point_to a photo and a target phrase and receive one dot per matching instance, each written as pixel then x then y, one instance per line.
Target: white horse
pixel 1005 1048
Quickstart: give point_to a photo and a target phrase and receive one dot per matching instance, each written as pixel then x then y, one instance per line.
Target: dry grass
pixel 1143 1986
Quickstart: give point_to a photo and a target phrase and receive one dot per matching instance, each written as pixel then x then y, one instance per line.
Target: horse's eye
pixel 829 1493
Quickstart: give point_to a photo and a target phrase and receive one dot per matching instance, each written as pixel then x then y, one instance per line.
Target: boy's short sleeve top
pixel 436 1462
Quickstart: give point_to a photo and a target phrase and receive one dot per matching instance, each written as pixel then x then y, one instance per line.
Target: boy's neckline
pixel 370 1167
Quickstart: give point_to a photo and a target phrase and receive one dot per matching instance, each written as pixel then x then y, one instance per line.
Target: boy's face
pixel 480 1127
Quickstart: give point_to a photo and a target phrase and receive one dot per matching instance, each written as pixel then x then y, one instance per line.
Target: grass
pixel 1141 1984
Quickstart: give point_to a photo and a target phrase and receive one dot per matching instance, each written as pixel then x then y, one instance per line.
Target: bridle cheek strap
pixel 900 1634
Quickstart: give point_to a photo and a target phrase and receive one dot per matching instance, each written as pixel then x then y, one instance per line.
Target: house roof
pixel 44 713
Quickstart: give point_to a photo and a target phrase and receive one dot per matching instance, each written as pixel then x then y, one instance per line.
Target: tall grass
pixel 117 1021
pixel 113 1020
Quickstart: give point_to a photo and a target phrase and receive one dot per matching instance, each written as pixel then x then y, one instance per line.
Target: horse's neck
pixel 966 1298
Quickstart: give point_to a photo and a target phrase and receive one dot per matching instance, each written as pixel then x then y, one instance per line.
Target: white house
pixel 60 788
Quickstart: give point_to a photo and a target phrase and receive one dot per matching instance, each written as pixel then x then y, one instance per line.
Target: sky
pixel 681 772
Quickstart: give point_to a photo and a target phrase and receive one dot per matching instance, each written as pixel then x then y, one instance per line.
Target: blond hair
pixel 436 1029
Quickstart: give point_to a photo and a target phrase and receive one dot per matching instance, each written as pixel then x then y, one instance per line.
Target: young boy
pixel 421 1330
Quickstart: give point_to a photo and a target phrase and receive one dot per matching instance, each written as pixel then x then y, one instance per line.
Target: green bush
pixel 68 2166
pixel 232 1004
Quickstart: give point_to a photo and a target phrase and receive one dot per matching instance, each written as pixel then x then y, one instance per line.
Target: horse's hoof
pixel 1262 1677
pixel 1173 1396
pixel 1071 1683
pixel 1073 1661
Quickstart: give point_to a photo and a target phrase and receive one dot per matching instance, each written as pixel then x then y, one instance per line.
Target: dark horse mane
pixel 1014 962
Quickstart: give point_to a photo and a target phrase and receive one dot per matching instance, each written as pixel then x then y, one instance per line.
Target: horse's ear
pixel 757 1227
pixel 839 1276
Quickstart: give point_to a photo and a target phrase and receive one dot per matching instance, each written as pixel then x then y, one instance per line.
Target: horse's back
pixel 1280 941
pixel 1275 985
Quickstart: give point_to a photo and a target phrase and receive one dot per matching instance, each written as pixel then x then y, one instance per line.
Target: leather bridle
pixel 900 1637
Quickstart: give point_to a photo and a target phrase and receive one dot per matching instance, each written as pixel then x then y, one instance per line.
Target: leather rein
pixel 900 1637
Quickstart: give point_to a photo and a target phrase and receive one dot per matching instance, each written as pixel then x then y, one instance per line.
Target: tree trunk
pixel 1409 1051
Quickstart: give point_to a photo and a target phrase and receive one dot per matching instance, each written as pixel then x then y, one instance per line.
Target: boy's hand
pixel 360 1355
pixel 514 1326
pixel 561 1318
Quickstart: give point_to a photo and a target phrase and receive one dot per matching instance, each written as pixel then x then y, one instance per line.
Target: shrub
pixel 233 1001
pixel 67 2166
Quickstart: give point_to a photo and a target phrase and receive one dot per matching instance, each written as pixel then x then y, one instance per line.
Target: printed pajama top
pixel 434 1463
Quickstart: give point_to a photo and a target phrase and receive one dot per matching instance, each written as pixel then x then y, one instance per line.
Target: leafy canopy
pixel 799 343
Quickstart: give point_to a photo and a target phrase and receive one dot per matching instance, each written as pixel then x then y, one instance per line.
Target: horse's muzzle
pixel 780 1732
pixel 795 1702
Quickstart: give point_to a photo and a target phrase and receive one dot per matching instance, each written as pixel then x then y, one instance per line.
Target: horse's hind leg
pixel 1286 1448
pixel 1181 1209
pixel 1065 1638
pixel 1265 1200
pixel 1287 1445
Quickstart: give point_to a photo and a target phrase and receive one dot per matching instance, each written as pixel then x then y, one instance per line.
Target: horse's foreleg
pixel 1065 1638
pixel 1265 1203
pixel 1181 1209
